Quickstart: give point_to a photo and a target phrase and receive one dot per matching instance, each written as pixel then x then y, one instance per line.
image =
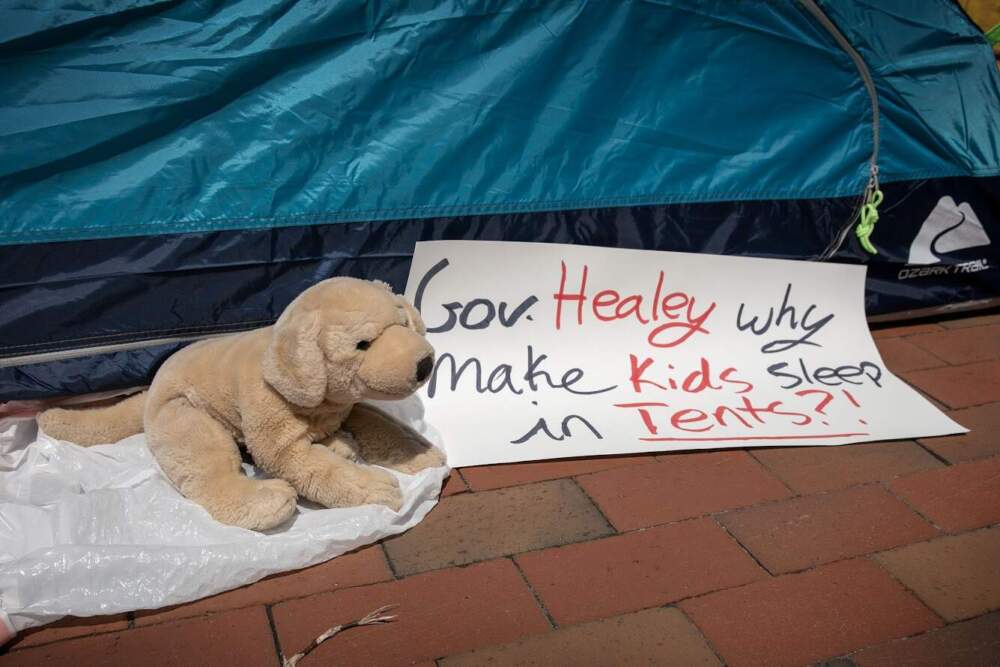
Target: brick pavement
pixel 873 554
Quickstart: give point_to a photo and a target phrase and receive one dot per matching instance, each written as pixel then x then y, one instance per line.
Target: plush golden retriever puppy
pixel 289 393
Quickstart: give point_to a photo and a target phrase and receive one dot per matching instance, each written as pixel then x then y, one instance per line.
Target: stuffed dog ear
pixel 414 321
pixel 293 363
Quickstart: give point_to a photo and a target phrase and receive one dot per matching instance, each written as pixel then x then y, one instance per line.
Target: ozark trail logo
pixel 949 228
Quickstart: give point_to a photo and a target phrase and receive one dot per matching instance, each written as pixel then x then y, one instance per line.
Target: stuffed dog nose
pixel 424 367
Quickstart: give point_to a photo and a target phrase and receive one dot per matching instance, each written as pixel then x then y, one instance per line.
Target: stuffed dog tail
pixel 95 425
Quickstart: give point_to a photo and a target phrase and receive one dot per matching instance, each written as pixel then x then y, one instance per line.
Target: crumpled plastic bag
pixel 100 530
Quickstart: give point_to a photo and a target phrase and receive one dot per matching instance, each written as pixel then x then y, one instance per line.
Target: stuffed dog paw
pixel 289 393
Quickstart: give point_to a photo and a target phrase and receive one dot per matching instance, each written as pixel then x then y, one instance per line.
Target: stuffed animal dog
pixel 289 393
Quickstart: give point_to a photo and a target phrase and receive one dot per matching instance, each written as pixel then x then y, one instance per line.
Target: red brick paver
pixel 798 619
pixel 803 532
pixel 961 346
pixel 901 355
pixel 651 637
pixel 482 478
pixel 68 628
pixel 956 498
pixel 680 486
pixel 454 484
pixel 973 643
pixel 480 526
pixel 983 438
pixel 439 613
pixel 881 332
pixel 812 469
pixel 582 582
pixel 971 321
pixel 241 637
pixel 957 576
pixel 960 386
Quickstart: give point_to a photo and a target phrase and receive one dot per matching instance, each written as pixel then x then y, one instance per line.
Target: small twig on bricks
pixel 373 618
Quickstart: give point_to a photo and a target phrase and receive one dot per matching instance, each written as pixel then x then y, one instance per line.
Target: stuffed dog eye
pixel 364 344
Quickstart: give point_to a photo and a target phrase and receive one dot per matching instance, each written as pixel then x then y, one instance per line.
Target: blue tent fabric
pixel 172 170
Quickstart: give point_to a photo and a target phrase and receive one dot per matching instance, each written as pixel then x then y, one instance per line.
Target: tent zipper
pixel 872 186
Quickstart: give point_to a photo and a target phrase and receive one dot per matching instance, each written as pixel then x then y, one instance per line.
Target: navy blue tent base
pixel 135 293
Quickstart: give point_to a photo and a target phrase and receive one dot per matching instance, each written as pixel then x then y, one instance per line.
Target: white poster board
pixel 550 351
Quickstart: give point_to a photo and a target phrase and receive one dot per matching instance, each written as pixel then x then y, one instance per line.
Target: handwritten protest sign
pixel 548 351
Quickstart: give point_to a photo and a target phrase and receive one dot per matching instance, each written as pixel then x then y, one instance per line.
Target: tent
pixel 174 170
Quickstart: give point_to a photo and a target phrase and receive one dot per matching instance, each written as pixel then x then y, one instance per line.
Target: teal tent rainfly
pixel 173 170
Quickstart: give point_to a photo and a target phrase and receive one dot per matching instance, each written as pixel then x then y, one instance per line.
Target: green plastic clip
pixel 869 216
pixel 993 35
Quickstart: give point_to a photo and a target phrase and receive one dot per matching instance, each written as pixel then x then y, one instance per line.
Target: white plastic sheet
pixel 99 530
